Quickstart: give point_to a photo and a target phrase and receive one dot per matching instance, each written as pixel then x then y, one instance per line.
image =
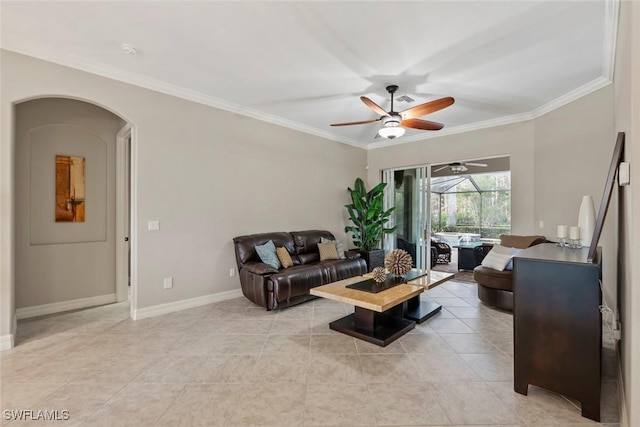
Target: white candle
pixel 562 231
pixel 574 232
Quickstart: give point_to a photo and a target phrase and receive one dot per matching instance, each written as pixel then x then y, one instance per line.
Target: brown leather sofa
pixel 271 288
pixel 495 288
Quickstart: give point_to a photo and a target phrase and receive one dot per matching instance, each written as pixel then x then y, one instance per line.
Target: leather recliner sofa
pixel 495 288
pixel 274 289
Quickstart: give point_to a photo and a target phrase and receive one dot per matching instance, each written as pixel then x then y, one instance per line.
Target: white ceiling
pixel 305 64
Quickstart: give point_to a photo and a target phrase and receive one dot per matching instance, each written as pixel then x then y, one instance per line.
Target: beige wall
pixel 515 141
pixel 627 111
pixel 207 175
pixel 574 146
pixel 57 261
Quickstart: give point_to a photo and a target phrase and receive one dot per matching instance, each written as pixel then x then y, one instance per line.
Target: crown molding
pixel 612 9
pixel 113 73
pixel 500 121
pixel 575 94
pixel 610 35
pixel 612 16
pixel 565 99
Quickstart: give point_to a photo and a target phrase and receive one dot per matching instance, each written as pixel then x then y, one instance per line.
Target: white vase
pixel 586 221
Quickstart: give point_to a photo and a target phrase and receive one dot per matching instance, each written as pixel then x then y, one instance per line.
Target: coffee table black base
pixel 377 328
pixel 419 311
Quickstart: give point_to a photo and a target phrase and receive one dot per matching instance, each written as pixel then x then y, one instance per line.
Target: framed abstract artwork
pixel 70 189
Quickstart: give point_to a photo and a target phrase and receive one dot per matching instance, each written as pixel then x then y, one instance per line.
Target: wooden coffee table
pixel 378 318
pixel 420 310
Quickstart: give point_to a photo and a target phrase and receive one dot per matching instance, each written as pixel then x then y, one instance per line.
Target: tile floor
pixel 234 364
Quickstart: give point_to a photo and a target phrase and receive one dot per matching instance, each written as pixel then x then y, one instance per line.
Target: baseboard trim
pixel 6 342
pixel 58 307
pixel 622 401
pixel 158 310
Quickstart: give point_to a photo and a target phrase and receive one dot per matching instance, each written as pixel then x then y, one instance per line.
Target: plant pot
pixel 374 258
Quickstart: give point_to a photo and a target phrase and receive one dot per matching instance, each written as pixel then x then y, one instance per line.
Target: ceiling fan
pixel 457 167
pixel 393 123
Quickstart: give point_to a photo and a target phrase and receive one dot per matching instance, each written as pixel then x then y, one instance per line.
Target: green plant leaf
pixel 357 203
pixel 378 189
pixel 367 215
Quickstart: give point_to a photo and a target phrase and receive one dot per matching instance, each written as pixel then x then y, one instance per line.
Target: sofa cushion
pixel 343 269
pixel 267 253
pixel 307 241
pixel 284 257
pixel 296 281
pixel 259 268
pixel 493 278
pixel 328 251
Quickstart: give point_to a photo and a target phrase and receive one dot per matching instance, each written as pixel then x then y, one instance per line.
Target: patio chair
pixel 410 248
pixel 443 250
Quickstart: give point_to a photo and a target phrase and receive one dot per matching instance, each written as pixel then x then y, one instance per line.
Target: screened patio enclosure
pixel 477 206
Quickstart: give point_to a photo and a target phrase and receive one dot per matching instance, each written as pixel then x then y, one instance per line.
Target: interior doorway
pixel 67 265
pixel 123 214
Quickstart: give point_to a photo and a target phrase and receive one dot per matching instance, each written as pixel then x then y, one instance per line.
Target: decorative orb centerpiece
pixel 398 262
pixel 379 274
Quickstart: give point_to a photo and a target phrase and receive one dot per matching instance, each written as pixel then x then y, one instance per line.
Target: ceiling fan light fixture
pixel 394 123
pixel 391 132
pixel 457 168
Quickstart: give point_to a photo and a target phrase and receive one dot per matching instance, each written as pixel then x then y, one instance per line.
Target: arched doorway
pixel 64 263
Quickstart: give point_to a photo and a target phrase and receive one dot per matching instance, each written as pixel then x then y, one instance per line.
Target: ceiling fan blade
pixel 427 107
pixel 439 169
pixel 482 165
pixel 421 124
pixel 355 123
pixel 375 107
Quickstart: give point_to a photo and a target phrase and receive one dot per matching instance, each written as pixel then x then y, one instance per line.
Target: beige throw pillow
pixel 284 257
pixel 328 251
pixel 339 246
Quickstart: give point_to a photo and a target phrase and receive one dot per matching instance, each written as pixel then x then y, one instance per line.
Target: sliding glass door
pixel 408 190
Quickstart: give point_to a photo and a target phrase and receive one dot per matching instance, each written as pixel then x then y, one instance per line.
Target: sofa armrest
pixel 351 254
pixel 258 268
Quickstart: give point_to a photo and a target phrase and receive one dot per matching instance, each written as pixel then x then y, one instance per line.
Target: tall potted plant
pixel 369 220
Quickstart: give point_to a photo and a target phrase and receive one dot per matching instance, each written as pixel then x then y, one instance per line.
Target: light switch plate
pixel 168 282
pixel 154 225
pixel 624 174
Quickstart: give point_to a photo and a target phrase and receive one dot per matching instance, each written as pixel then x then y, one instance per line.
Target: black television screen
pixel 606 197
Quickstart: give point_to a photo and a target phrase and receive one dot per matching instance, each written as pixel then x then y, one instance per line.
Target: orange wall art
pixel 70 185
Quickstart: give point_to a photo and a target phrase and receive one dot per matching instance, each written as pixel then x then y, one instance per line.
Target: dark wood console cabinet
pixel 558 324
